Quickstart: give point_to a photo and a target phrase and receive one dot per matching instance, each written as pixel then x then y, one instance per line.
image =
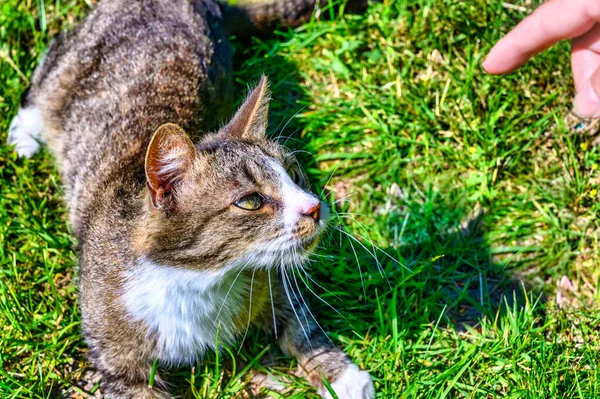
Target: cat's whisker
pixel 346 197
pixel 311 253
pixel 292 117
pixel 369 240
pixel 290 137
pixel 272 303
pixel 321 299
pixel 302 151
pixel 227 295
pixel 379 266
pixel 362 281
pixel 298 300
pixel 350 214
pixel 277 128
pixel 308 308
pixel 374 245
pixel 249 312
pixel 346 215
pixel 287 293
pixel 319 285
pixel 331 175
pixel 388 255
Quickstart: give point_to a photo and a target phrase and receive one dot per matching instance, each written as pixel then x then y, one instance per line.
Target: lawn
pixel 468 263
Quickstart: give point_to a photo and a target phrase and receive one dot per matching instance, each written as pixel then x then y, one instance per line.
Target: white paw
pixel 26 132
pixel 351 384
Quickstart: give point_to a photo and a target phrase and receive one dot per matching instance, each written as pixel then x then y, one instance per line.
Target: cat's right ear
pixel 169 157
pixel 250 120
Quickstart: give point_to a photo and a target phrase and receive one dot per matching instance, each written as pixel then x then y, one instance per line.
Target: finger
pixel 553 21
pixel 585 56
pixel 587 100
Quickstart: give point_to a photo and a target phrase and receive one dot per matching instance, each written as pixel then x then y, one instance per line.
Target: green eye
pixel 294 175
pixel 250 202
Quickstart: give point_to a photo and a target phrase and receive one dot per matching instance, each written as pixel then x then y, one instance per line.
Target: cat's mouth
pixel 309 242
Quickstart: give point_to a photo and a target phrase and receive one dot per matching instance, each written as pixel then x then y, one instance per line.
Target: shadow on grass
pixel 437 240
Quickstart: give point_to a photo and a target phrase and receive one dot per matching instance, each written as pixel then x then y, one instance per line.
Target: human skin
pixel 553 21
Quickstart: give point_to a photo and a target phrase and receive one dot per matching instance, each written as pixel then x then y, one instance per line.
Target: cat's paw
pixel 25 132
pixel 353 383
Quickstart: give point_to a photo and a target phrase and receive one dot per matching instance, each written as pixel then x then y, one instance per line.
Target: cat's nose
pixel 314 212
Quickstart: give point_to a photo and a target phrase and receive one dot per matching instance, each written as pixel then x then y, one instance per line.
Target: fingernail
pixel 587 103
pixel 484 62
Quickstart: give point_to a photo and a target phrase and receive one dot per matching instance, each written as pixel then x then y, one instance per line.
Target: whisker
pixel 319 285
pixel 350 214
pixel 249 312
pixel 308 309
pixel 324 301
pixel 290 137
pixel 302 151
pixel 379 266
pixel 344 198
pixel 359 268
pixel 272 303
pixel 292 117
pixel 362 226
pixel 386 254
pixel 227 295
pixel 332 173
pixel 302 308
pixel 373 244
pixel 292 306
pixel 311 253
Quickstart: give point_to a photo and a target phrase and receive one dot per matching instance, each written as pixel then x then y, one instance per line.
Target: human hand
pixel 554 21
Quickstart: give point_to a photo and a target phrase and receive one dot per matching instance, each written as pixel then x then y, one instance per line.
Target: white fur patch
pixel 353 383
pixel 26 131
pixel 187 309
pixel 296 202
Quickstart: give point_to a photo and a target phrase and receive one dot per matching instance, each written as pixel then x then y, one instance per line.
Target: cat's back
pixel 129 67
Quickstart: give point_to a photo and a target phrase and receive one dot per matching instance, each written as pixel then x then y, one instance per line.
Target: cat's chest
pixel 187 311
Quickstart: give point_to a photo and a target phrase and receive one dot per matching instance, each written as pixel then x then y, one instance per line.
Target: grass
pixel 483 191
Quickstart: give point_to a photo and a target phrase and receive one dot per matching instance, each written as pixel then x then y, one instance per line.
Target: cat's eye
pixel 295 175
pixel 250 202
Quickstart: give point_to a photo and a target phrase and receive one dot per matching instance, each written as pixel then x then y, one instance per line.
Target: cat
pixel 182 244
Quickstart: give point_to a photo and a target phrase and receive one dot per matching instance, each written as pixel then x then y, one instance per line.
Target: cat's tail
pixel 245 17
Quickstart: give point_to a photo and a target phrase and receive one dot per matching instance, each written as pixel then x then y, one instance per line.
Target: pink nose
pixel 314 212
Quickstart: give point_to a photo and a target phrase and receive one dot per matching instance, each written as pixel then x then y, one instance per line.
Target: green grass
pixel 479 187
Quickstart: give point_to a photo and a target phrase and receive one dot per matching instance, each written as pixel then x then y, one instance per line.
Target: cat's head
pixel 234 198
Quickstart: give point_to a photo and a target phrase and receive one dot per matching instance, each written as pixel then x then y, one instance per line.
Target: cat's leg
pixel 126 384
pixel 125 373
pixel 118 389
pixel 318 359
pixel 25 131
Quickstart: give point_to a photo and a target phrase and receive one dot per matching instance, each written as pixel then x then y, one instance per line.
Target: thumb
pixel 587 99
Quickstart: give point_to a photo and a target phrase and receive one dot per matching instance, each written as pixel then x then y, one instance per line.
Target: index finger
pixel 553 21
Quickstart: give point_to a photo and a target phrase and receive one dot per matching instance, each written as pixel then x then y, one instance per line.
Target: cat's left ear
pixel 170 156
pixel 250 121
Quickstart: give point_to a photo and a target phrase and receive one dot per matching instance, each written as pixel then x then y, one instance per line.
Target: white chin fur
pixel 25 131
pixel 353 383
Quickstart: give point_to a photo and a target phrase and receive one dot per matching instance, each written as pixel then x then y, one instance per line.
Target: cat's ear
pixel 250 121
pixel 169 157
